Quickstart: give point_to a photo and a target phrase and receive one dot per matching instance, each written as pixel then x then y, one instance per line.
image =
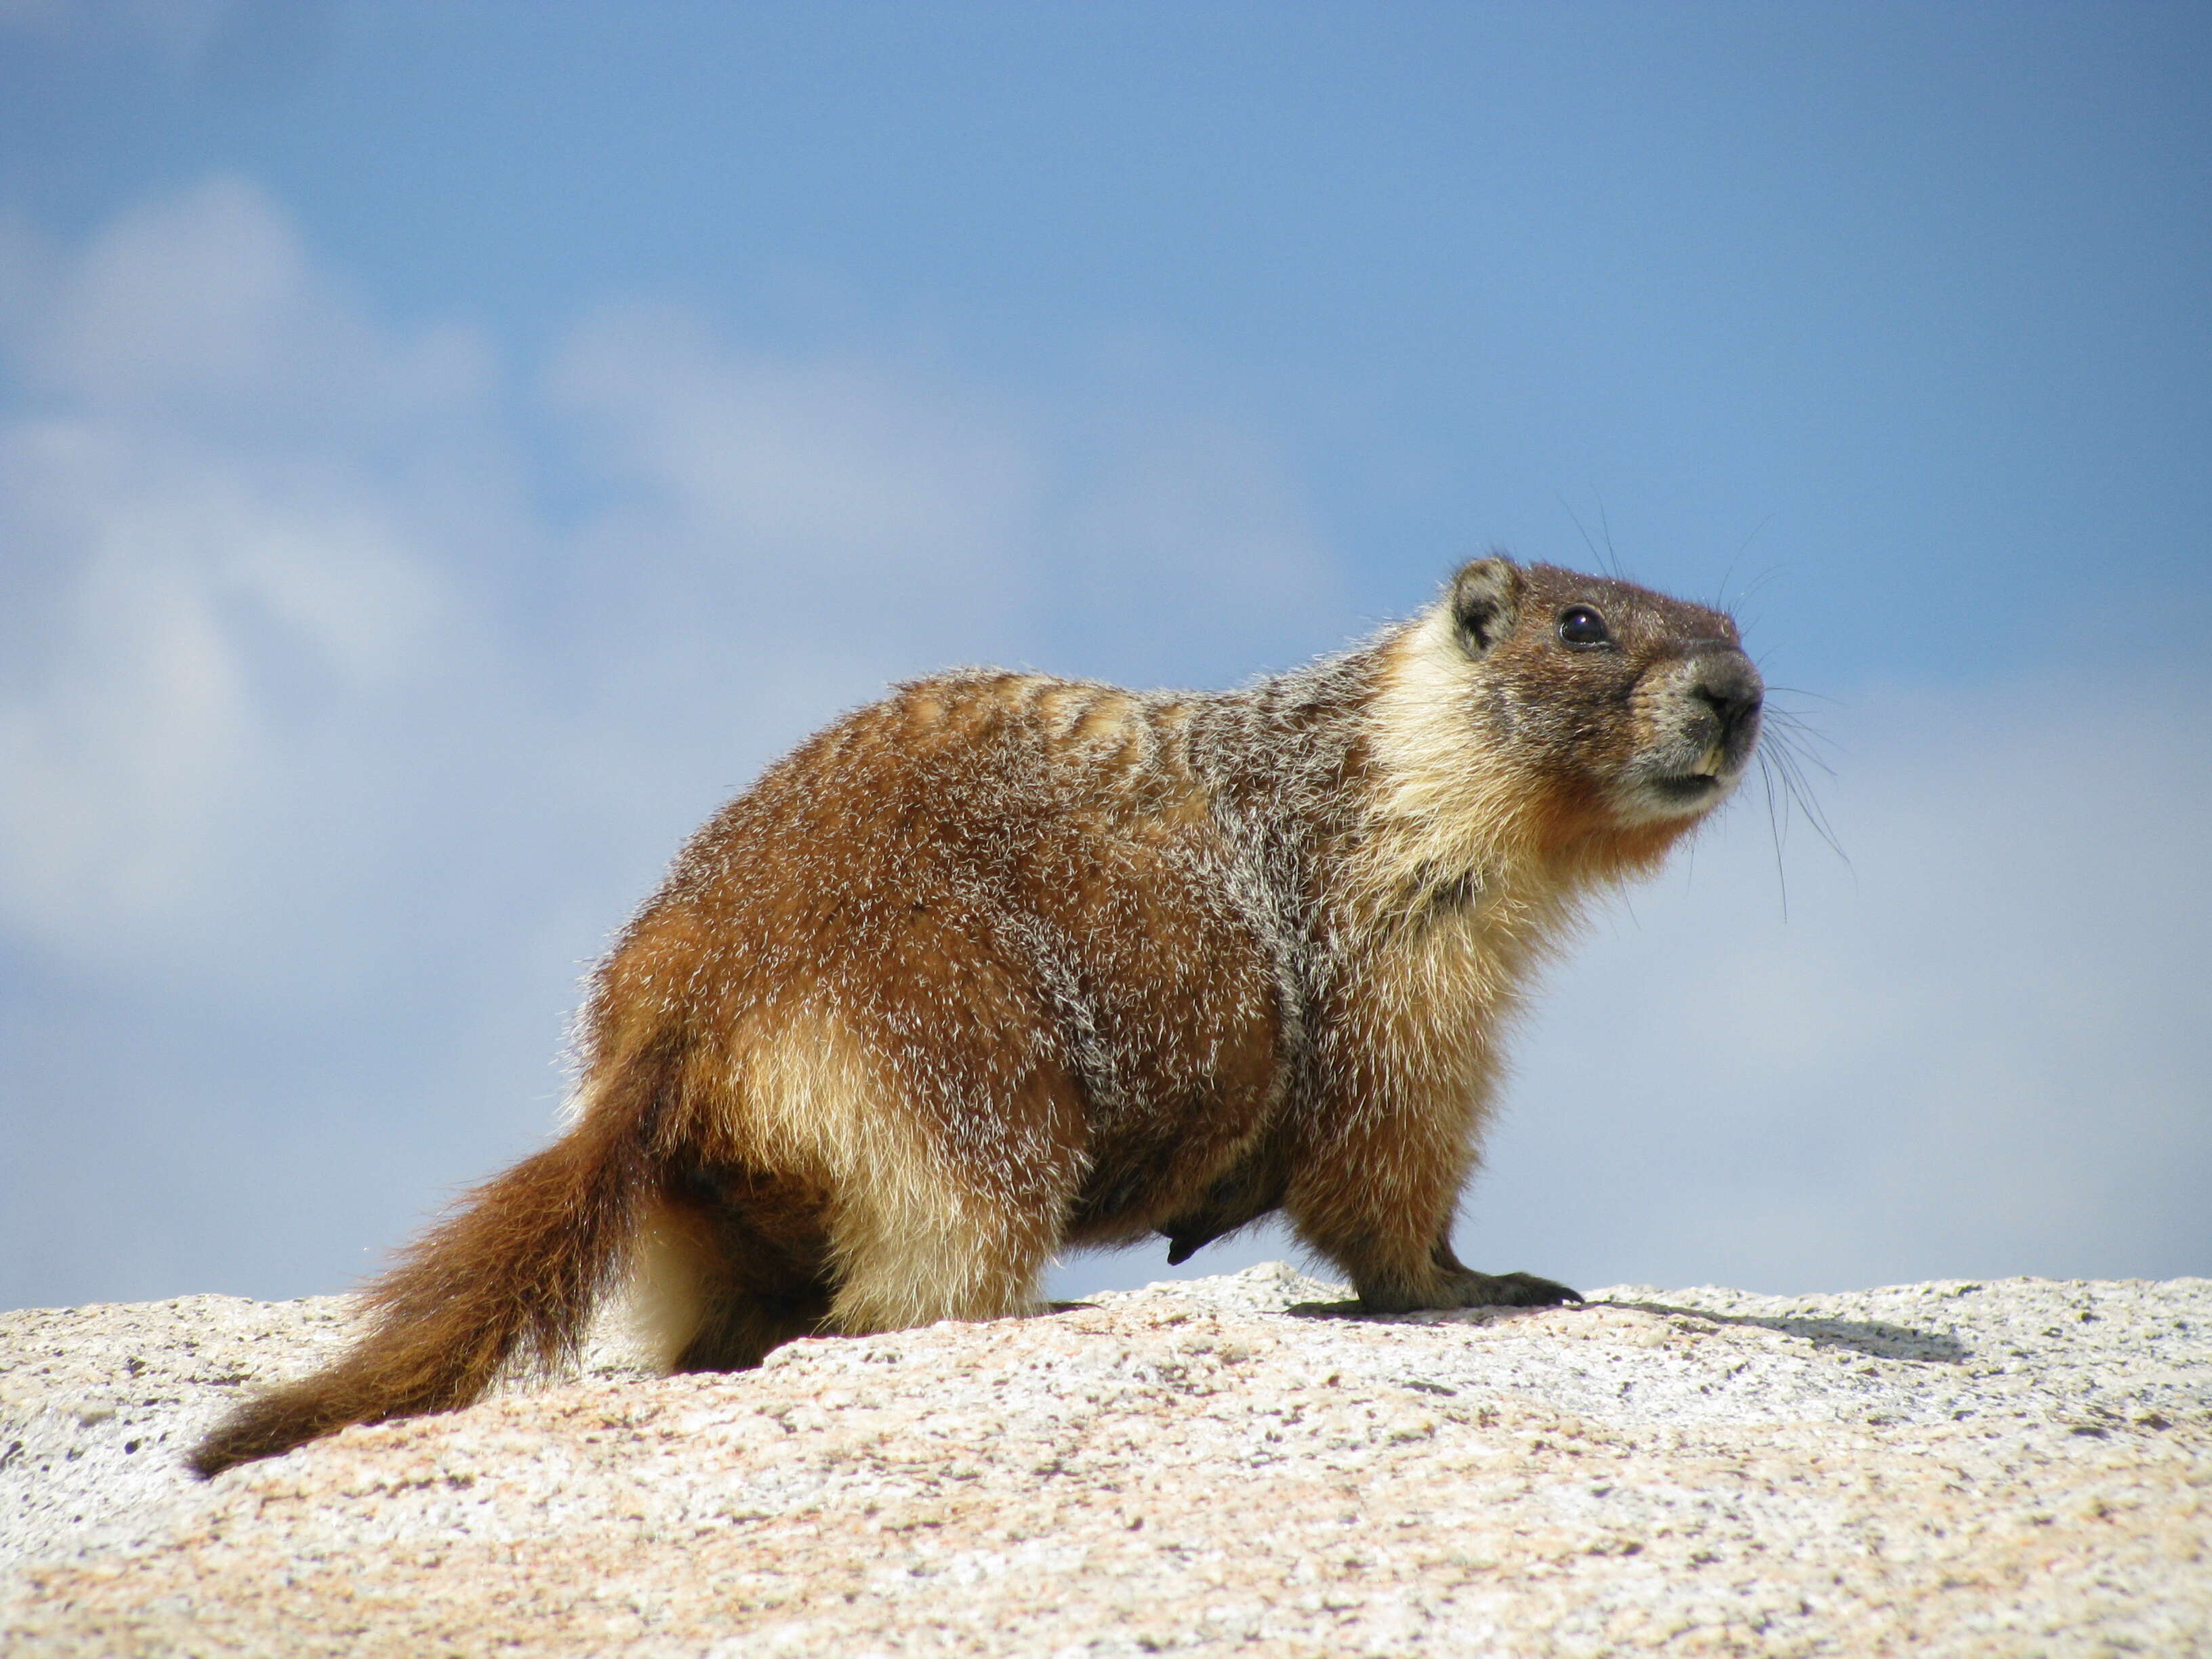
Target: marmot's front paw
pixel 1456 1286
pixel 1512 1290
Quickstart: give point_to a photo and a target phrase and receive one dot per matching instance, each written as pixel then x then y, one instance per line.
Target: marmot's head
pixel 1647 702
pixel 1533 710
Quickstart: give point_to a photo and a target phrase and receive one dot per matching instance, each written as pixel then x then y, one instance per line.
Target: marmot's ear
pixel 1484 601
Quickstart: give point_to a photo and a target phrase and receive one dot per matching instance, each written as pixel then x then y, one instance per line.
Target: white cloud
pixel 315 722
pixel 858 470
pixel 1191 513
pixel 205 308
pixel 213 506
pixel 776 535
pixel 917 518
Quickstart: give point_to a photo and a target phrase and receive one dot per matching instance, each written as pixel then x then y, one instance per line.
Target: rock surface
pixel 2023 1467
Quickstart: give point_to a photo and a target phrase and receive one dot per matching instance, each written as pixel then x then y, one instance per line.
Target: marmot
pixel 1005 963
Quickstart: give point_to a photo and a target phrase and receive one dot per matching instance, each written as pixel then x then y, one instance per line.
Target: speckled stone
pixel 2018 1467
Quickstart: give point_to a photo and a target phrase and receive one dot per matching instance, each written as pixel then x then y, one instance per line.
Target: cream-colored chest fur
pixel 1450 895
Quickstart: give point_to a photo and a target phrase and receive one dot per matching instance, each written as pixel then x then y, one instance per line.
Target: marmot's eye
pixel 1579 624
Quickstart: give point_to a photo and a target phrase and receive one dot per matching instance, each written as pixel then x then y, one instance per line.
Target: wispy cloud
pixel 238 510
pixel 315 714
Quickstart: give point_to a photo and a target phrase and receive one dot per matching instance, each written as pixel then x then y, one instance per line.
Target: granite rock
pixel 2020 1467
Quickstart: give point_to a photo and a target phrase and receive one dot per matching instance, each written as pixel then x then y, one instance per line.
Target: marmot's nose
pixel 1728 685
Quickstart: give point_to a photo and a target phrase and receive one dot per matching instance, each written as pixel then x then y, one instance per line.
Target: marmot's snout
pixel 1724 680
pixel 1703 728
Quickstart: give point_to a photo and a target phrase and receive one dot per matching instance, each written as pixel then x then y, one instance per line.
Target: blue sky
pixel 445 449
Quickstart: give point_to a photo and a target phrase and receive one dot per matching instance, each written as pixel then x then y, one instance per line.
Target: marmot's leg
pixel 731 1262
pixel 961 1210
pixel 1375 1190
pixel 1374 1200
pixel 915 1163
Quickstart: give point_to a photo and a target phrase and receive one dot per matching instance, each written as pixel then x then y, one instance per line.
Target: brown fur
pixel 1004 964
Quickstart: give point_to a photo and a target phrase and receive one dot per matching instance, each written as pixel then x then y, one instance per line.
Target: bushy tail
pixel 510 1278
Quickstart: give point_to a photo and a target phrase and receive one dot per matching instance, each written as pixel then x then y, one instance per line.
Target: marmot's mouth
pixel 1679 795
